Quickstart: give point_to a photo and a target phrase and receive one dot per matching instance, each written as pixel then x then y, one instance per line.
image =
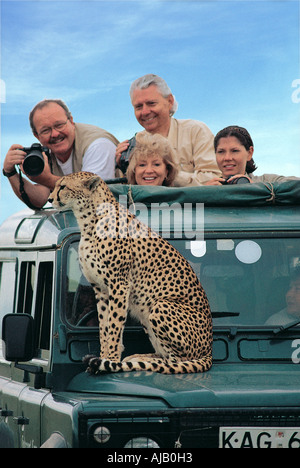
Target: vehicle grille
pixel 182 428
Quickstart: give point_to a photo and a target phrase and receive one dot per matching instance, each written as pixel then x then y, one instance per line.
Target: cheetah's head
pixel 76 191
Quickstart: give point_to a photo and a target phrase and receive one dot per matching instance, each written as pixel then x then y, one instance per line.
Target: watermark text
pixel 184 221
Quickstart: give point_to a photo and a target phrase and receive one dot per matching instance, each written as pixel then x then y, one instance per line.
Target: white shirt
pixel 99 158
pixel 282 318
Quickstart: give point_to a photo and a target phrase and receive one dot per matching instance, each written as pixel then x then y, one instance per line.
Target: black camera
pixel 34 163
pixel 124 160
pixel 237 181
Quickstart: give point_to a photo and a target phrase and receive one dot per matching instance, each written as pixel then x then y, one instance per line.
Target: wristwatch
pixel 9 174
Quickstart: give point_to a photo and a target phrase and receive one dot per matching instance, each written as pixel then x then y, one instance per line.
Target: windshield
pixel 248 282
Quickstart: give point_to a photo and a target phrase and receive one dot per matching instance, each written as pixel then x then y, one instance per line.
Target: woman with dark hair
pixel 234 150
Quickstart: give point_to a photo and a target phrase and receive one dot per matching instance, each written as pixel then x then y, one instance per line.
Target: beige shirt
pixel 270 178
pixel 193 146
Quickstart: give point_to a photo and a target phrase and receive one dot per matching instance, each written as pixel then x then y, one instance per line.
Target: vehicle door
pixel 34 297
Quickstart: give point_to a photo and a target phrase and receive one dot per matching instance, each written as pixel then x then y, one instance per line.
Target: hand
pixel 119 150
pixel 215 181
pixel 236 176
pixel 14 157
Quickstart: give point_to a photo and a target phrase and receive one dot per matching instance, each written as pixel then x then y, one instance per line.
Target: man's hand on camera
pixel 15 156
pixel 119 150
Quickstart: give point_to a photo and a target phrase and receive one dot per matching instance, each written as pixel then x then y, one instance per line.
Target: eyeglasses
pixel 59 127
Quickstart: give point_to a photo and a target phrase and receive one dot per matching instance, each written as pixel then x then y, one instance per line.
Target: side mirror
pixel 18 337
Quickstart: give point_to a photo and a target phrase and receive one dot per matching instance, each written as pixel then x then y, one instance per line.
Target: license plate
pixel 259 437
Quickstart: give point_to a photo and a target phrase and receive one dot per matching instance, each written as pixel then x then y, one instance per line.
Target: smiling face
pixel 152 110
pixel 151 171
pixel 232 156
pixel 60 138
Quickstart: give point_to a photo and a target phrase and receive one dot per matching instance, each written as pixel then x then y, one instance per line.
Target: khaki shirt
pixel 270 178
pixel 193 146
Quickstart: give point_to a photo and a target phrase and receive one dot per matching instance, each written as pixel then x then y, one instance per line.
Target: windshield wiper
pixel 286 327
pixel 224 314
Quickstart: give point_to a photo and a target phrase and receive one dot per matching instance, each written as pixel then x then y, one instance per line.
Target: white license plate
pixel 259 437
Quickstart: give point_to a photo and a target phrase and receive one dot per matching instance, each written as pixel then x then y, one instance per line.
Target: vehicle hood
pixel 245 385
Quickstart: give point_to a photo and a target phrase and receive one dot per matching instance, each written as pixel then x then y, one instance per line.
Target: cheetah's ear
pixel 93 183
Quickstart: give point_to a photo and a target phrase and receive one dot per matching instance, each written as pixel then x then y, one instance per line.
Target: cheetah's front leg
pixel 102 298
pixel 112 313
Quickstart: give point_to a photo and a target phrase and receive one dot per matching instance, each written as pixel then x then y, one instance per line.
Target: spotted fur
pixel 131 268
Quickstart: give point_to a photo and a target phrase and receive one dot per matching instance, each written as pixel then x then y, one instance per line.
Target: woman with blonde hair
pixel 152 161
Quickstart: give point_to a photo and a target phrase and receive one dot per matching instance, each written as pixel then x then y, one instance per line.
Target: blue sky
pixel 227 62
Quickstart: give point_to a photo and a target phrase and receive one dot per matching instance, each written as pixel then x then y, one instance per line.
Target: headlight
pixel 101 434
pixel 142 442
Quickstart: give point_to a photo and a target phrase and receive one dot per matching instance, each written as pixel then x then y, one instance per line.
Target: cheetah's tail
pixel 97 365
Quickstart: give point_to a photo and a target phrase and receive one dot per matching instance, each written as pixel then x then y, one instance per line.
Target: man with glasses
pixel 73 147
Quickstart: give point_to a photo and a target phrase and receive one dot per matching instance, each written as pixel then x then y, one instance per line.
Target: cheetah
pixel 133 269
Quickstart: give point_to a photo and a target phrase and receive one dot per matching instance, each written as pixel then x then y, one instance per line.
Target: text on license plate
pixel 259 437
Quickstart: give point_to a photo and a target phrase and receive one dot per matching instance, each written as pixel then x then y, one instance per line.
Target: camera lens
pixel 242 180
pixel 33 164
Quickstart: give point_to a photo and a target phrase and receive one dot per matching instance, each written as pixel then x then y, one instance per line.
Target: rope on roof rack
pixel 270 187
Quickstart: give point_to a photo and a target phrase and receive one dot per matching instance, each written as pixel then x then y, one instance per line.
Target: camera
pixel 34 163
pixel 237 181
pixel 124 160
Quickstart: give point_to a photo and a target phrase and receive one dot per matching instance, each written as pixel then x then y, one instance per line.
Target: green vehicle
pixel 244 244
